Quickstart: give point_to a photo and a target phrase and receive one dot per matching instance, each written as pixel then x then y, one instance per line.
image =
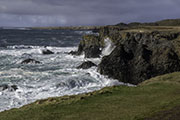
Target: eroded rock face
pixel 90 46
pixel 29 60
pixel 86 65
pixel 140 56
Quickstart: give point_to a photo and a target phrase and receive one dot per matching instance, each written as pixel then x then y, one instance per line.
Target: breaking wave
pixel 55 76
pixel 109 47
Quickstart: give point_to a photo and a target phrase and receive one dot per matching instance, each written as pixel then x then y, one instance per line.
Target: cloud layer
pixel 84 12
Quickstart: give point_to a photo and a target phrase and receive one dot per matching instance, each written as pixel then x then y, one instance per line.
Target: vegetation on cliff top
pixel 167 22
pixel 157 98
pixel 151 99
pixel 140 53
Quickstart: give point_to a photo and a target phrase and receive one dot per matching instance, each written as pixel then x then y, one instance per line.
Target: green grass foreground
pixel 148 101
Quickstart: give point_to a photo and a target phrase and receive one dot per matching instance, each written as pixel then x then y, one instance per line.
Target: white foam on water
pixel 109 47
pixel 55 76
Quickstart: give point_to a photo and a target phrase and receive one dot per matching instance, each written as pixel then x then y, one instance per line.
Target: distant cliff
pixel 94 28
pixel 167 22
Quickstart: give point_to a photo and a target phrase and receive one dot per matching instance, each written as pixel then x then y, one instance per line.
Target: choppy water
pixel 55 76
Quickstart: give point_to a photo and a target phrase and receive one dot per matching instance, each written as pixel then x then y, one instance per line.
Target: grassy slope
pixel 114 103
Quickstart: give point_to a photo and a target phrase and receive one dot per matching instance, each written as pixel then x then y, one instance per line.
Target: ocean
pixel 55 76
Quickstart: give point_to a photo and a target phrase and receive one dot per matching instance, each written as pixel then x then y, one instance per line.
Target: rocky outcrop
pixel 10 88
pixel 140 56
pixel 86 65
pixel 29 60
pixel 90 46
pixel 140 52
pixel 47 52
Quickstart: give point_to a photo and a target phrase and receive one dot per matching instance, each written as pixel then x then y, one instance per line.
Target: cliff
pixel 140 53
pixel 167 22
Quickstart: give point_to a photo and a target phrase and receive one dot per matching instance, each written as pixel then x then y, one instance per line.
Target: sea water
pixel 55 76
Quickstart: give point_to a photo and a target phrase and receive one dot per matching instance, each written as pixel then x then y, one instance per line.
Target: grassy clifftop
pixel 166 22
pixel 148 100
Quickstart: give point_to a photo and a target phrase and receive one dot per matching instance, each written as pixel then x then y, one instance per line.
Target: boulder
pixel 86 65
pixel 3 87
pixel 10 88
pixel 29 60
pixel 14 87
pixel 73 53
pixel 47 52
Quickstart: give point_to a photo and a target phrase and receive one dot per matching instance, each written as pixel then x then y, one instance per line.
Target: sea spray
pixel 109 47
pixel 56 76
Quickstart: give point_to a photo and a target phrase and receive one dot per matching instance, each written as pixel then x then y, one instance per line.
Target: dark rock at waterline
pixel 14 87
pixel 69 84
pixel 140 54
pixel 135 63
pixel 73 53
pixel 92 52
pixel 5 87
pixel 90 46
pixel 47 52
pixel 86 65
pixel 29 60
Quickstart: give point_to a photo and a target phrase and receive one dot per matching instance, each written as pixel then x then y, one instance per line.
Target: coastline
pixel 152 96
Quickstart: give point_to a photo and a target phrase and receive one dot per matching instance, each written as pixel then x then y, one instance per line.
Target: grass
pixel 114 103
pixel 154 28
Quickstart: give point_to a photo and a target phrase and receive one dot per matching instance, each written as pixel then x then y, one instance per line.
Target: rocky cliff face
pixel 139 54
pixel 90 46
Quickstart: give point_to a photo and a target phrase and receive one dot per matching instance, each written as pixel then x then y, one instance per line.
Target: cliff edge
pixel 138 53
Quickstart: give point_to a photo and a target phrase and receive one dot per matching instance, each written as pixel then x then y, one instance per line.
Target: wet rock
pixel 92 52
pixel 47 52
pixel 10 88
pixel 140 57
pixel 69 84
pixel 62 84
pixel 14 87
pixel 3 87
pixel 90 46
pixel 86 65
pixel 29 60
pixel 73 53
pixel 140 54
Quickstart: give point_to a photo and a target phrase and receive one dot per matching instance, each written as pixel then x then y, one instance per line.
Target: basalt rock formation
pixel 10 88
pixel 140 53
pixel 86 65
pixel 29 60
pixel 47 52
pixel 90 46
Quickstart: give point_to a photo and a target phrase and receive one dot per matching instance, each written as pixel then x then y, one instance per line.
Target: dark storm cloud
pixel 84 12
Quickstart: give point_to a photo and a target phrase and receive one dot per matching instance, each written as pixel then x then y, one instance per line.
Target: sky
pixel 30 13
